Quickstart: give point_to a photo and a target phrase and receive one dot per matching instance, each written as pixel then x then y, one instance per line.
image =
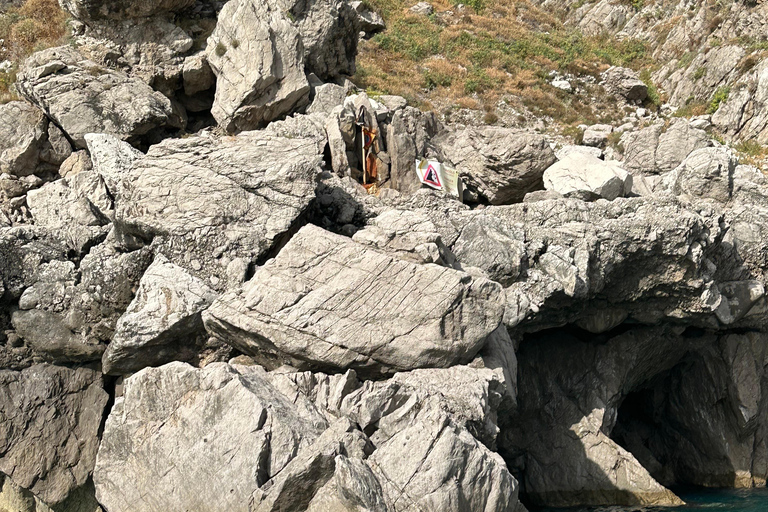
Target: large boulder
pixel 328 302
pixel 624 83
pixel 257 441
pixel 257 54
pixel 163 321
pixel 706 173
pixel 23 131
pixel 83 97
pixel 69 212
pixel 586 176
pixel 186 439
pixel 499 165
pixel 656 150
pixel 416 469
pixel 213 204
pixel 50 429
pixel 68 313
pixel 329 33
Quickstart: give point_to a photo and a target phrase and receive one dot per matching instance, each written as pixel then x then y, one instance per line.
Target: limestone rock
pixel 23 131
pixel 50 428
pixel 706 173
pixel 597 135
pixel 370 21
pixel 68 314
pixel 653 150
pixel 197 75
pixel 59 207
pixel 84 97
pixel 500 164
pixel 163 321
pixel 413 315
pixel 251 92
pixel 408 135
pixel 186 439
pixel 208 200
pixel 329 33
pixel 432 465
pixel 624 83
pixel 579 464
pixel 584 174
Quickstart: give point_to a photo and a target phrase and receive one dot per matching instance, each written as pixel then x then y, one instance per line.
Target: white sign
pixel 439 176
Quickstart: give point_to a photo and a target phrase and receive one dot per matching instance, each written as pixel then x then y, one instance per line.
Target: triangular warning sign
pixel 431 177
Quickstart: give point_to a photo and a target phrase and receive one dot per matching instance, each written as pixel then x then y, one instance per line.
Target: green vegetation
pixel 699 73
pixel 721 95
pixel 36 25
pixel 750 148
pixel 491 50
pixel 653 92
pixel 220 49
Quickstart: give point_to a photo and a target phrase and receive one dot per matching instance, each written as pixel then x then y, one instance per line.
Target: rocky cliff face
pixel 203 308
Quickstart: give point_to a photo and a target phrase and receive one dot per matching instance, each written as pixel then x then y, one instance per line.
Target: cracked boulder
pixel 65 208
pixel 29 144
pixel 327 302
pixel 69 313
pixel 50 429
pixel 83 97
pixel 162 323
pixel 182 438
pixel 257 55
pixel 585 176
pixel 498 165
pixel 212 205
pixel 329 33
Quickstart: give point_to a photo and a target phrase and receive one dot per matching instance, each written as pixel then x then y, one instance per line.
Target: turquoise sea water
pixel 727 500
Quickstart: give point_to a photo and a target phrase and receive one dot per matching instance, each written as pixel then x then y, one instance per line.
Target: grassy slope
pixel 36 25
pixel 490 50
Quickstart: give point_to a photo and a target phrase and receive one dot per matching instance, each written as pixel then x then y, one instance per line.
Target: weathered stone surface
pixel 207 201
pixel 744 115
pixel 84 97
pixel 654 150
pixel 18 499
pixel 329 32
pixel 408 135
pixel 197 74
pixel 23 131
pixel 624 83
pixel 433 465
pixel 62 209
pixel 309 470
pixel 597 135
pixel 51 418
pixel 187 439
pixel 566 395
pixel 578 174
pixel 706 173
pixel 163 321
pixel 103 9
pixel 370 21
pixel 69 313
pixel 501 165
pixel 250 92
pixel 309 306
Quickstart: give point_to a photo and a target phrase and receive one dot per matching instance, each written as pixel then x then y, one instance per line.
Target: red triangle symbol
pixel 431 177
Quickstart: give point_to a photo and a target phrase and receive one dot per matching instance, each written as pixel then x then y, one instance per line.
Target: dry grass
pixel 36 25
pixel 504 49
